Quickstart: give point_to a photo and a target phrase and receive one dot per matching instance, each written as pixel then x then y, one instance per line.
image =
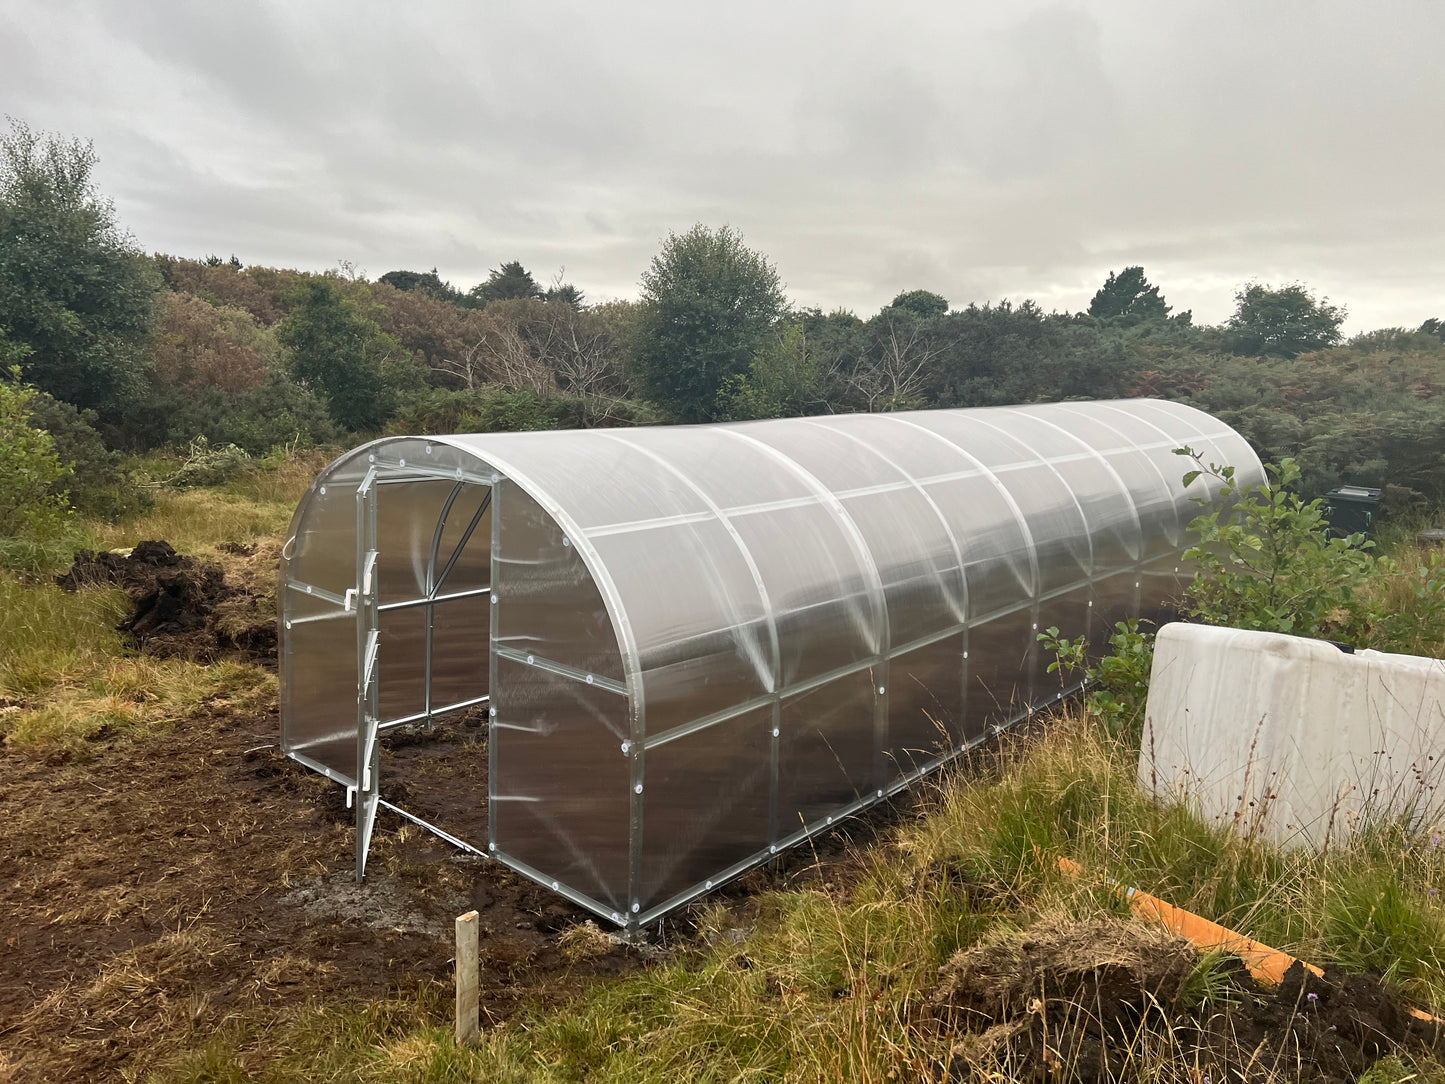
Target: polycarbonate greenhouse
pixel 681 650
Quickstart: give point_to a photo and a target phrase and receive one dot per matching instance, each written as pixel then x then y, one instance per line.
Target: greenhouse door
pixel 422 605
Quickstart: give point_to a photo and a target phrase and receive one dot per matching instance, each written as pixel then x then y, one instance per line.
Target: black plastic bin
pixel 1352 509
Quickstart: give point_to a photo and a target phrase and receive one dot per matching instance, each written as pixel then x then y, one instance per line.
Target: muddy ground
pixel 153 892
pixel 155 889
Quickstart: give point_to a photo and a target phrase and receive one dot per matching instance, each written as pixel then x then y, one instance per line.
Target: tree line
pixel 124 352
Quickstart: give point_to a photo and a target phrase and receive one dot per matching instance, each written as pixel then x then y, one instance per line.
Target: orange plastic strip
pixel 1266 964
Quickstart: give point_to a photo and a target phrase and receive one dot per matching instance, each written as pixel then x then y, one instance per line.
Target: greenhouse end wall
pixel 696 646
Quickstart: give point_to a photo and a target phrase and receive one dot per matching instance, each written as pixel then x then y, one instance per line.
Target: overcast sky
pixel 979 150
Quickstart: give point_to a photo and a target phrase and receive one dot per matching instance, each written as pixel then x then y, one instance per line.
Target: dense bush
pixel 486 410
pixel 94 476
pixel 32 515
pixel 198 346
pixel 278 412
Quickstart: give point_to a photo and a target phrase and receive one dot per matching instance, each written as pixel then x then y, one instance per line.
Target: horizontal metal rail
pixel 409 473
pixel 422 716
pixel 407 604
pixel 318 592
pixel 561 669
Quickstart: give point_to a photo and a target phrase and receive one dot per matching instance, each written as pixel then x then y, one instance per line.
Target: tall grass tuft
pixel 49 636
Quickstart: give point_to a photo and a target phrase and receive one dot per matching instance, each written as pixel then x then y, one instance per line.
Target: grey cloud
pixel 978 150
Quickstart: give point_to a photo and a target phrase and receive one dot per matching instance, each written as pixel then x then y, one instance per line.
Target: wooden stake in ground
pixel 468 980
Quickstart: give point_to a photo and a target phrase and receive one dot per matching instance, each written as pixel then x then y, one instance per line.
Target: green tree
pixel 95 480
pixel 340 352
pixel 708 304
pixel 506 283
pixel 428 283
pixel 30 511
pixel 564 293
pixel 786 379
pixel 1283 323
pixel 1128 293
pixel 279 412
pixel 922 303
pixel 73 286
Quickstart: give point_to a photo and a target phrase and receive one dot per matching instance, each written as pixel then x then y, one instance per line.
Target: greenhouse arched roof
pixel 698 645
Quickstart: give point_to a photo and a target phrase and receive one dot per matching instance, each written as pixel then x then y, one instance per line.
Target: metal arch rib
pixel 917 487
pixel 436 538
pixel 855 538
pixel 1144 455
pixel 1180 522
pixel 1054 470
pixel 639 750
pixel 1128 496
pixel 772 680
pixel 1019 518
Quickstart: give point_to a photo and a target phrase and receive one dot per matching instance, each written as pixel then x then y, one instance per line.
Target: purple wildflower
pixel 1312 997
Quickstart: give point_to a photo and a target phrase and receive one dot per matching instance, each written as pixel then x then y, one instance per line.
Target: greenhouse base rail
pixel 633 927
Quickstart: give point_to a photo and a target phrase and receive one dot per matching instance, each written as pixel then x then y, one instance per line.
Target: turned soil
pixel 1103 999
pixel 186 607
pixel 149 894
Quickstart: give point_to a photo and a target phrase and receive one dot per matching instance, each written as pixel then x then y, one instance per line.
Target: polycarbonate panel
pixel 873 585
pixel 1127 449
pixel 1116 599
pixel 323 540
pixel 459 651
pixel 999 658
pixel 730 471
pixel 706 804
pixel 817 586
pixel 401 663
pixel 827 751
pixel 1072 614
pixel 916 560
pixel 925 705
pixel 602 478
pixel 562 801
pixel 318 680
pixel 702 633
pixel 1057 533
pixel 547 603
pixel 997 553
pixel 1101 495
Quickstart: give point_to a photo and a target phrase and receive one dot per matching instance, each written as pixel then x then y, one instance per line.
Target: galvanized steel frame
pixel 363 604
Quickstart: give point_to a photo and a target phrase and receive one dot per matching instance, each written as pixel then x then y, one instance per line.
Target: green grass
pixel 196 521
pixel 828 984
pixel 49 637
pixel 66 673
pixel 254 505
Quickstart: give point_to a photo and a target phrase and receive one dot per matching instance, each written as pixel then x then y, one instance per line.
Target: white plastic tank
pixel 1291 739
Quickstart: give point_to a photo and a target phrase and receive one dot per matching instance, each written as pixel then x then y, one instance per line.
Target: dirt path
pixel 149 894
